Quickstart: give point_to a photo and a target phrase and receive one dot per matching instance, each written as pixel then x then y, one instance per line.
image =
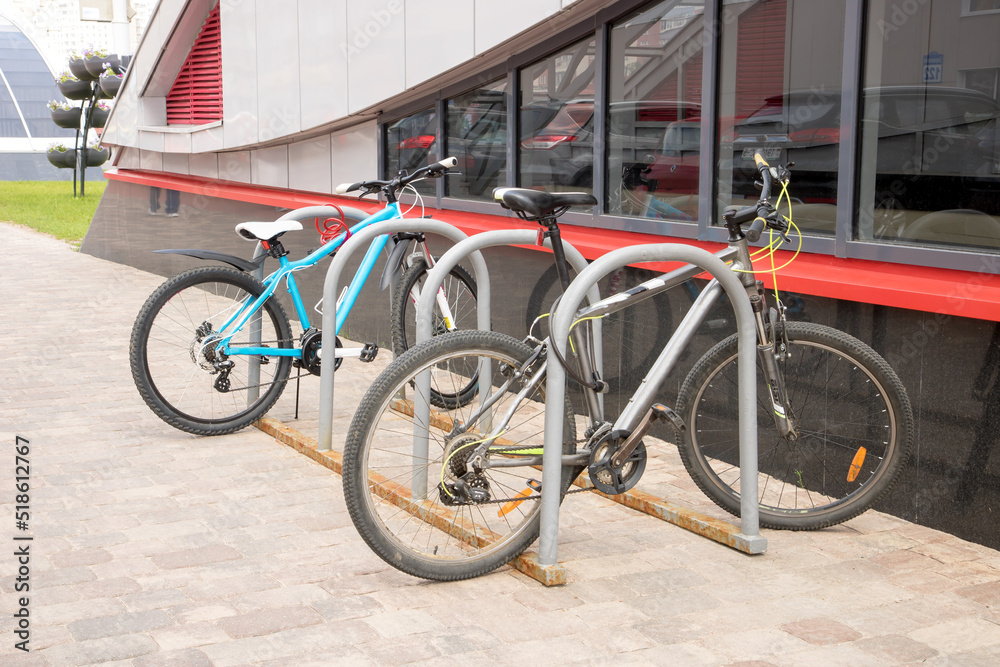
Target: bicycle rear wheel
pixel 854 422
pixel 409 505
pixel 460 292
pixel 173 359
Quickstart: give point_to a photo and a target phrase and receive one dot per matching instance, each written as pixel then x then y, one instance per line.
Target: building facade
pixel 888 108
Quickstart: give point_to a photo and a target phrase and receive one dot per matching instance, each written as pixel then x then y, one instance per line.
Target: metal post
pixel 332 282
pixel 747 383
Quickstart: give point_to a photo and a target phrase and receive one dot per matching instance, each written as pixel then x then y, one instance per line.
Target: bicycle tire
pixel 170 365
pixel 844 396
pixel 460 291
pixel 379 465
pixel 637 351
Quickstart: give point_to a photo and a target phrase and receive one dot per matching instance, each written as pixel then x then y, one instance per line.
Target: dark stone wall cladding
pixel 949 364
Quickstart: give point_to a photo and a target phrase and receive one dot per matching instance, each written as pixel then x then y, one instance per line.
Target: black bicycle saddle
pixel 538 204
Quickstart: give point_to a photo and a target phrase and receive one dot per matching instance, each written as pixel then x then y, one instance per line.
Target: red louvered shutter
pixel 760 65
pixel 196 96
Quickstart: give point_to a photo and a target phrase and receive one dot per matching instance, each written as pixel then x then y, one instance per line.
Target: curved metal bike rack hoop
pixel 555 387
pixel 332 282
pixel 425 310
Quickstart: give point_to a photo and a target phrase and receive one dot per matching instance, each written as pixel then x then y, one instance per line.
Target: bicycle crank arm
pixel 366 353
pixel 655 412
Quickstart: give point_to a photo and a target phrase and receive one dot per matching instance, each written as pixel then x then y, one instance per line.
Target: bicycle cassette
pixel 608 478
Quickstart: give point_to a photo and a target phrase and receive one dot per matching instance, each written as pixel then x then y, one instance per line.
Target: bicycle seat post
pixel 552 233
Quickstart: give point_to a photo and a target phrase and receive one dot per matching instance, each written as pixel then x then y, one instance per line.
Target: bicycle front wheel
pixel 459 289
pixel 180 373
pixel 429 507
pixel 854 425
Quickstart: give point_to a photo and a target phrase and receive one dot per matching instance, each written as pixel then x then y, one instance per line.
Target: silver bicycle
pixel 459 496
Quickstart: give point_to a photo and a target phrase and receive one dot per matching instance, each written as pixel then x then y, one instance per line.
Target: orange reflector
pixel 859 460
pixel 533 485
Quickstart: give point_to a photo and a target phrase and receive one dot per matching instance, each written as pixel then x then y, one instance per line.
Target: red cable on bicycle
pixel 329 232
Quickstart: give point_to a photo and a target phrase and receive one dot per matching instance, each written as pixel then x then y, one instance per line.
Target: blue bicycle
pixel 211 350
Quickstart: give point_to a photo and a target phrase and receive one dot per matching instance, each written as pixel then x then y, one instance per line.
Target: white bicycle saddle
pixel 264 231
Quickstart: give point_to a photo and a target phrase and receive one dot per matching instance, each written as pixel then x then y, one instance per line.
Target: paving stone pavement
pixel 153 547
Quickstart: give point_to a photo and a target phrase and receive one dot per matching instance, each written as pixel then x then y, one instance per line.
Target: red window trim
pixel 944 291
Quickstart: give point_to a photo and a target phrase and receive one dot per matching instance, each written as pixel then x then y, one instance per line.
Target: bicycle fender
pixel 393 264
pixel 247 266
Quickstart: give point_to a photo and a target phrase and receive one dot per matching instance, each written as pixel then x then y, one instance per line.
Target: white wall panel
pixel 122 127
pixel 322 61
pixel 210 139
pixel 309 165
pixel 376 65
pixel 269 166
pixel 354 154
pixel 175 163
pixel 205 165
pixel 151 141
pixel 500 20
pixel 277 69
pixel 235 166
pixel 176 142
pixel 439 36
pixel 151 160
pixel 239 72
pixel 129 159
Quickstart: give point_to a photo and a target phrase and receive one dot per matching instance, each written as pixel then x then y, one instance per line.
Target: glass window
pixel 983 6
pixel 781 66
pixel 557 121
pixel 930 154
pixel 654 120
pixel 411 143
pixel 477 136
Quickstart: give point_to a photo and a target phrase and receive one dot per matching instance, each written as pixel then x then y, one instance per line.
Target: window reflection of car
pixel 921 132
pixel 562 150
pixel 675 166
pixel 413 138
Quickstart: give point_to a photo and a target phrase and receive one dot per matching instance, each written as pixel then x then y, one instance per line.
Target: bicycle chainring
pixel 605 476
pixel 311 343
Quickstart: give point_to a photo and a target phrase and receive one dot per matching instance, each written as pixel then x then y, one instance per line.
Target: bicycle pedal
pixel 664 412
pixel 368 352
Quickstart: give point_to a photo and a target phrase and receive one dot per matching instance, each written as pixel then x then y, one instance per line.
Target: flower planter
pixel 75 90
pixel 110 85
pixel 80 71
pixel 69 118
pixel 63 159
pixel 97 156
pixel 95 64
pixel 99 118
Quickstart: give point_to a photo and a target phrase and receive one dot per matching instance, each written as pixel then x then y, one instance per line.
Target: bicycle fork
pixel 772 347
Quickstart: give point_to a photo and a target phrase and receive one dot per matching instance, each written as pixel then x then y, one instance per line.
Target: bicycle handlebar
pixel 431 171
pixel 761 212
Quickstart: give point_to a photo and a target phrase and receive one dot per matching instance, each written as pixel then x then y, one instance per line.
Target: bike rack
pixel 332 282
pixel 253 368
pixel 425 310
pixel 555 388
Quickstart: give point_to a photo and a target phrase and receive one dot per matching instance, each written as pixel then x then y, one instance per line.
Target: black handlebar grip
pixel 755 230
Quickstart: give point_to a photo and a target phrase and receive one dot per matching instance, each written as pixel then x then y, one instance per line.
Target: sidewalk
pixel 153 547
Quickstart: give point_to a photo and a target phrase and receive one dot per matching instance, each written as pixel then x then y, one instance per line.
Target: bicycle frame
pixel 286 271
pixel 636 412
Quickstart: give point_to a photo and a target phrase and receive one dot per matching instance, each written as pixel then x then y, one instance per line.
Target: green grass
pixel 50 207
